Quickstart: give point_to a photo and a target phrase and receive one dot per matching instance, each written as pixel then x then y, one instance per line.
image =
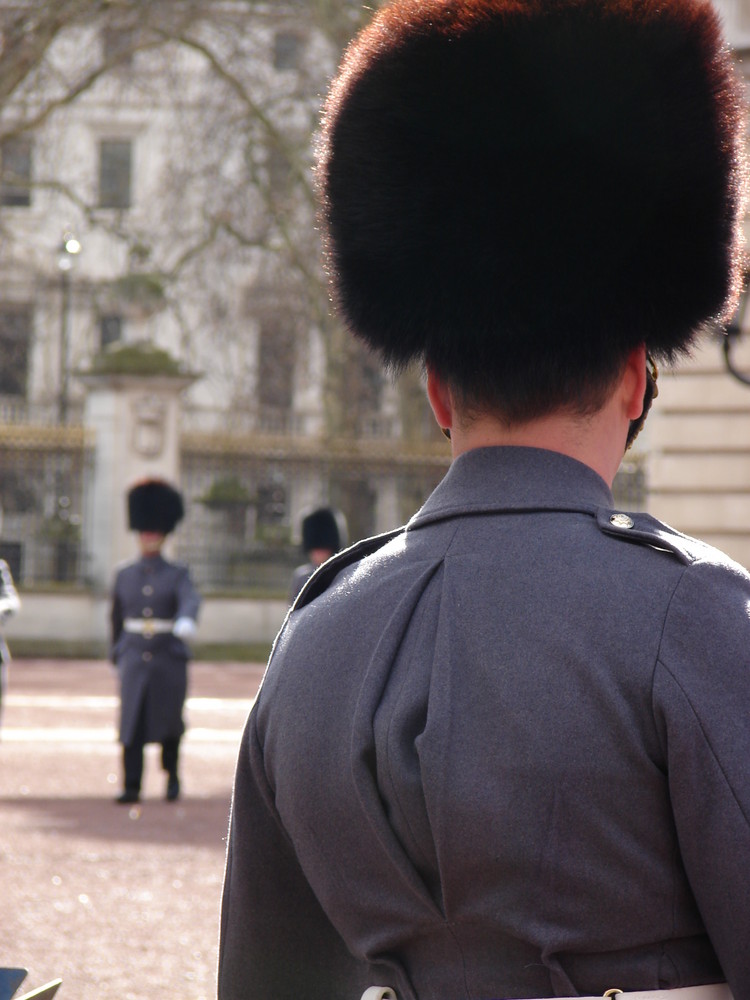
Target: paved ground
pixel 120 902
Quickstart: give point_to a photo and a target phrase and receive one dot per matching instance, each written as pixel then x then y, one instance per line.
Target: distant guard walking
pixel 154 612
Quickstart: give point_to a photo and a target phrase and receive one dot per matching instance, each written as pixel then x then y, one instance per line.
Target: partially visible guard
pixel 10 604
pixel 323 534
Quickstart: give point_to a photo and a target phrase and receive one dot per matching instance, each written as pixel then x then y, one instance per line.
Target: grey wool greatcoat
pixel 505 754
pixel 152 669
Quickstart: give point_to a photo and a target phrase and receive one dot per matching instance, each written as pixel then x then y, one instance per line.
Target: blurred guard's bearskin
pixel 533 189
pixel 154 505
pixel 323 533
pixel 322 529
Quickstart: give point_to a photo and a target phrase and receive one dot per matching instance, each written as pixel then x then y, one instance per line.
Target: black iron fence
pixel 42 475
pixel 245 496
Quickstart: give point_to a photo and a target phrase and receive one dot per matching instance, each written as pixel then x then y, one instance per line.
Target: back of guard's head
pixel 519 192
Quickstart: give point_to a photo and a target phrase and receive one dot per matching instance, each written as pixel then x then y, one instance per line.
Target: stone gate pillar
pixel 134 421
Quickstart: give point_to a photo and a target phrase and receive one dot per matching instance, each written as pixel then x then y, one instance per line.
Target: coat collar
pixel 508 478
pixel 480 481
pixel 152 563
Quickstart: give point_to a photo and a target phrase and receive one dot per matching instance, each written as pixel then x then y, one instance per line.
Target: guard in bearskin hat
pixel 323 534
pixel 154 612
pixel 503 752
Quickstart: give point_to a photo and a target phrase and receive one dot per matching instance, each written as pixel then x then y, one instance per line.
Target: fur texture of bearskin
pixel 520 191
pixel 321 529
pixel 154 505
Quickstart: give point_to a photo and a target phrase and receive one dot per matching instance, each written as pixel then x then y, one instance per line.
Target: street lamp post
pixel 69 249
pixel 733 331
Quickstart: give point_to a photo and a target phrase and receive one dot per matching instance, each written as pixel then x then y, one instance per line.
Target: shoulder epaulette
pixel 644 529
pixel 322 578
pixel 638 527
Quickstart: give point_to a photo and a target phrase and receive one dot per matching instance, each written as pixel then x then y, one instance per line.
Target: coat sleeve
pixel 10 602
pixel 188 598
pixel 276 940
pixel 702 709
pixel 116 618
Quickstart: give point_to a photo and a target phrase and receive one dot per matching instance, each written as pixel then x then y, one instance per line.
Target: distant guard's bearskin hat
pixel 154 505
pixel 536 187
pixel 323 529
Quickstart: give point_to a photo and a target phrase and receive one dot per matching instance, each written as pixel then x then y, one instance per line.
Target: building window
pixel 115 166
pixel 276 364
pixel 363 380
pixel 287 50
pixel 357 499
pixel 271 501
pixel 110 330
pixel 630 487
pixel 15 337
pixel 118 46
pixel 15 184
pixel 279 171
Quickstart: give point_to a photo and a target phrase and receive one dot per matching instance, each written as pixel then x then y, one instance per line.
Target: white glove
pixel 184 628
pixel 9 606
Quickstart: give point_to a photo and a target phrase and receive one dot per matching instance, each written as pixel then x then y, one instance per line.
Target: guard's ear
pixel 440 399
pixel 650 374
pixel 634 382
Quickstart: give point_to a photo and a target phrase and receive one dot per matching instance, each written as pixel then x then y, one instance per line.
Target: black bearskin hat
pixel 154 505
pixel 323 529
pixel 532 188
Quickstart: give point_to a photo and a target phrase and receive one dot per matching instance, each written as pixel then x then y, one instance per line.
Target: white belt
pixel 147 626
pixel 719 991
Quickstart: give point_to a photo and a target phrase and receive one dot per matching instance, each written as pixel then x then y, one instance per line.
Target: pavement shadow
pixel 196 822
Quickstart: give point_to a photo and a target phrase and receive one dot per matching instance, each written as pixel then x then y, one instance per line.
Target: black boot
pixel 132 760
pixel 129 796
pixel 170 755
pixel 173 788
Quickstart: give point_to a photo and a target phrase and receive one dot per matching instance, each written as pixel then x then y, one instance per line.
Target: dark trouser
pixel 132 755
pixel 3 671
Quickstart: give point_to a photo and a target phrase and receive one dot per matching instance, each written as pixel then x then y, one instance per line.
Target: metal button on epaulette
pixel 622 521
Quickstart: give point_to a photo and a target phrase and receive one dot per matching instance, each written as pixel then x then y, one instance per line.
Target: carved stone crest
pixel 149 419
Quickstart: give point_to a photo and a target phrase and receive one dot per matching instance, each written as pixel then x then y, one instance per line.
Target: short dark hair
pixel 519 193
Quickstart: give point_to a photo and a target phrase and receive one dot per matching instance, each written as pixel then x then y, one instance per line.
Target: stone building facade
pixel 156 196
pixel 698 444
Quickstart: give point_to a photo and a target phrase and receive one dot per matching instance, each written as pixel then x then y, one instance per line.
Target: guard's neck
pixel 597 440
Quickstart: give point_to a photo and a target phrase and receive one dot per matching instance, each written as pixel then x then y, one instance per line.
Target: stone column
pixel 134 420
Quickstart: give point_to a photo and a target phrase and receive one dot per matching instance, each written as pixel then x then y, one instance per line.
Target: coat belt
pixel 147 626
pixel 719 991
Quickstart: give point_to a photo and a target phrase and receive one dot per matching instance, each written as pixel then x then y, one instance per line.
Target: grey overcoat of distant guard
pixel 152 666
pixel 154 611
